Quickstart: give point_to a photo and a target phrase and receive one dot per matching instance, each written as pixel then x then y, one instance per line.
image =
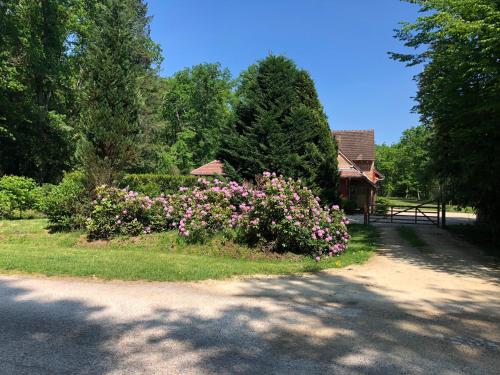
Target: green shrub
pixel 67 204
pixel 17 194
pixel 349 206
pixel 382 205
pixel 153 184
pixel 121 212
pixel 5 205
pixel 40 195
pixel 277 214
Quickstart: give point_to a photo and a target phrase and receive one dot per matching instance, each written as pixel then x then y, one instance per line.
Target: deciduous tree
pixel 196 107
pixel 458 42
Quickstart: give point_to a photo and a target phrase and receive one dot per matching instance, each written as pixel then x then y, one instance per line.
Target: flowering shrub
pixel 285 216
pixel 116 211
pixel 276 213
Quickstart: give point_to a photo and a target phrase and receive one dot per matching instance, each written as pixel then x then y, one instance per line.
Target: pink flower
pixel 318 258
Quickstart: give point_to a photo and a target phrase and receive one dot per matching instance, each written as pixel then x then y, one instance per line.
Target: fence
pixel 428 213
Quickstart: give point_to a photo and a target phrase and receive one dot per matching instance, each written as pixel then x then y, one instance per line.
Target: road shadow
pixel 319 324
pixel 443 253
pixel 41 337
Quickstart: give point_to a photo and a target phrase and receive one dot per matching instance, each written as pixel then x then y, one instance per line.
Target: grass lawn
pixel 410 235
pixel 26 247
pixel 413 202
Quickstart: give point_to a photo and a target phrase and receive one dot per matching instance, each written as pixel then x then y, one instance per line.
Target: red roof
pixel 356 144
pixel 349 169
pixel 214 168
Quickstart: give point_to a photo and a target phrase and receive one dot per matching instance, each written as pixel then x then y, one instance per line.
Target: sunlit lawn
pixel 413 202
pixel 26 247
pixel 410 235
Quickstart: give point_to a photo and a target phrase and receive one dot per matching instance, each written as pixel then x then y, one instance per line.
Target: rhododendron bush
pixel 276 213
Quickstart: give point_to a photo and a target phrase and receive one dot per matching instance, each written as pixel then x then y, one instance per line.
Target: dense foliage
pixel 66 204
pixel 196 107
pixel 35 87
pixel 280 125
pixel 278 214
pixel 406 165
pixel 458 41
pixel 16 194
pixel 120 53
pixel 154 184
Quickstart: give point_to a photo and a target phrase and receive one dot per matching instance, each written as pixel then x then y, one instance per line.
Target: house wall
pixel 357 190
pixel 344 188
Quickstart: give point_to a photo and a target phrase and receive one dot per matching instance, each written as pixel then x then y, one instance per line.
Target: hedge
pixel 155 184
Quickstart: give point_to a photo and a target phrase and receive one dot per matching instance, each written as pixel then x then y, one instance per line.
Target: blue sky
pixel 342 43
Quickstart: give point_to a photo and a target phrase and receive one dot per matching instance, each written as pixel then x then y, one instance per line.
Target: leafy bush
pixel 155 184
pixel 285 216
pixel 122 212
pixel 67 204
pixel 277 214
pixel 382 205
pixel 5 205
pixel 17 194
pixel 40 196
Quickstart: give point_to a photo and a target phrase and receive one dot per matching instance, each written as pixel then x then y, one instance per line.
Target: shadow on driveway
pixel 322 323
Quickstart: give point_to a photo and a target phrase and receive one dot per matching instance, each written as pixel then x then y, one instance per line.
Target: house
pixel 356 162
pixel 214 168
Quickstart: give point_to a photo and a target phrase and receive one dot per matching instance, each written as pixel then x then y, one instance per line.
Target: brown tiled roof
pixel 356 144
pixel 214 168
pixel 349 169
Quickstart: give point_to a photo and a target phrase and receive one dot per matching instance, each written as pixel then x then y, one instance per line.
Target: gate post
pixel 443 212
pixel 438 213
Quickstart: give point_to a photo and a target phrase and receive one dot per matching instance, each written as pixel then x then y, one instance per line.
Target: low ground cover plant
pixel 276 213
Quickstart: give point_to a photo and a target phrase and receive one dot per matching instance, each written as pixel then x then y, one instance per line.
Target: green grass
pixel 410 235
pixel 394 201
pixel 26 247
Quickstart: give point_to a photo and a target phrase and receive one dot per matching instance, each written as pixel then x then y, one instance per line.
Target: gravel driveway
pixel 435 311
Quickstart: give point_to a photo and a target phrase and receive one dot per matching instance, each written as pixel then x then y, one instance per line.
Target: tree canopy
pixel 35 87
pixel 120 54
pixel 406 165
pixel 458 43
pixel 280 126
pixel 196 107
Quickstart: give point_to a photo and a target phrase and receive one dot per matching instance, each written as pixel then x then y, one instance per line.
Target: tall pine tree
pixel 120 55
pixel 280 126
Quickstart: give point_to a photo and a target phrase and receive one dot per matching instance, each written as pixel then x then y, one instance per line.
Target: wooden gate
pixel 428 213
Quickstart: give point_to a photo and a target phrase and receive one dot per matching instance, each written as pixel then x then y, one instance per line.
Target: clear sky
pixel 342 43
